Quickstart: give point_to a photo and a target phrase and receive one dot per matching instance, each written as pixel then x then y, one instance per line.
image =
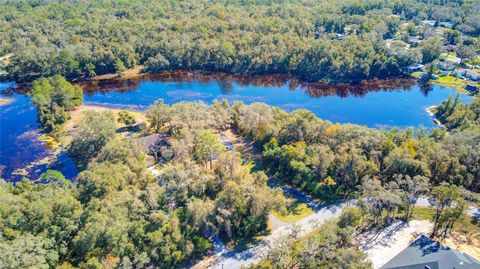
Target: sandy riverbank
pixel 77 115
pixel 5 101
pixel 131 73
pixel 431 110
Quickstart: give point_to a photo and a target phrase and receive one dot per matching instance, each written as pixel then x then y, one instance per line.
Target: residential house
pixel 154 146
pixel 426 253
pixel 459 73
pixel 471 88
pixel 445 66
pixel 453 60
pixel 413 41
pixel 446 24
pixel 467 73
pixel 415 67
pixel 430 23
pixel 449 63
pixel 472 74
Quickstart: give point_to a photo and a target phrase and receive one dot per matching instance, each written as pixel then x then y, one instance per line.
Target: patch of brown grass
pixel 77 115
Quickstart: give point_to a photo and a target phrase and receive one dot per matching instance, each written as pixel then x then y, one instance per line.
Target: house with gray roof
pixel 426 253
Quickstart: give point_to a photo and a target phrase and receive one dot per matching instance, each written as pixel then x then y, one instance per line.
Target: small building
pixel 413 41
pixel 426 253
pixel 155 146
pixel 341 36
pixel 467 73
pixel 446 66
pixel 471 88
pixel 415 67
pixel 446 24
pixel 426 77
pixel 430 23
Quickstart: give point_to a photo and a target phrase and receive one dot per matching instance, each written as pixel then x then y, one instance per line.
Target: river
pixel 379 104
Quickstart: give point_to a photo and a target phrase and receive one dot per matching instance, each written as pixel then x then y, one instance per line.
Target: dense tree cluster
pixel 54 97
pixel 117 214
pixel 93 133
pixel 85 38
pixel 223 197
pixel 331 160
pixel 457 115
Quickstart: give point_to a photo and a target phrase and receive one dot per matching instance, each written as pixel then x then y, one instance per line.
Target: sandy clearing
pixel 130 73
pixel 78 114
pixel 5 101
pixel 275 223
pixel 382 245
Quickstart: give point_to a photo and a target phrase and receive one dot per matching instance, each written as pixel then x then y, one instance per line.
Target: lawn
pixel 295 212
pixel 464 226
pixel 451 82
pixel 416 74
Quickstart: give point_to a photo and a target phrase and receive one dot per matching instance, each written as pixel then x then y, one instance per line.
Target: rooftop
pixel 426 253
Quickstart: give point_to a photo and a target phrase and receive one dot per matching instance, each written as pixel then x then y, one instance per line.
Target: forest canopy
pixel 87 38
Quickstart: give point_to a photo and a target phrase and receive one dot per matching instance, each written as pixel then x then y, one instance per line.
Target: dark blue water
pixel 374 106
pixel 20 147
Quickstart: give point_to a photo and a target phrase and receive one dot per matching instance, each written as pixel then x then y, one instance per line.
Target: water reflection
pixel 381 104
pixel 378 103
pixel 227 82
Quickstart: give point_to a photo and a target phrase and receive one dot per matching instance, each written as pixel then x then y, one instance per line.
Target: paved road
pixel 234 260
pixel 231 259
pixel 227 258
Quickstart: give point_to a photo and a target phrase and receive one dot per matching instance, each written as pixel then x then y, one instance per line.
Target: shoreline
pixel 135 73
pixel 431 112
pixel 6 101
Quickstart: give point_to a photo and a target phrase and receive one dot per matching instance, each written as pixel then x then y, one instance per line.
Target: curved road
pixel 234 260
pixel 226 258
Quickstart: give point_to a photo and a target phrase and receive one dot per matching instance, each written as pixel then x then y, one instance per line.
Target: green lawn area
pixel 296 212
pixel 416 74
pixel 451 82
pixel 464 226
pixel 245 243
pixel 423 213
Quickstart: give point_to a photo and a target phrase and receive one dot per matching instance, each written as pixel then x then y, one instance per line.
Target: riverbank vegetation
pixel 314 40
pixel 458 116
pixel 54 97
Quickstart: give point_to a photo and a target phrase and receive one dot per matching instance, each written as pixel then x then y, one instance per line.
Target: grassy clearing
pixel 295 212
pixel 465 235
pixel 134 72
pixel 416 74
pixel 464 226
pixel 451 82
